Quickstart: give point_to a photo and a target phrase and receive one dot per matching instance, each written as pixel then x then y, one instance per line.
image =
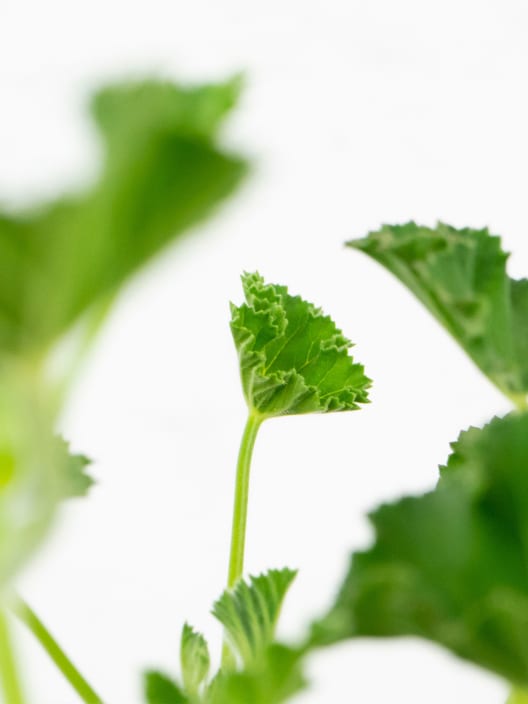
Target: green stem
pixel 240 509
pixel 238 532
pixel 55 652
pixel 518 696
pixel 8 668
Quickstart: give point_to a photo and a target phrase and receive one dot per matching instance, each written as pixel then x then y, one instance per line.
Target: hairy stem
pixel 55 652
pixel 9 677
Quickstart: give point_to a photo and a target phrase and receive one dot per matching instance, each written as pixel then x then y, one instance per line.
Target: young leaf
pixel 451 565
pixel 293 359
pixel 160 689
pixel 460 276
pixel 250 612
pixel 162 173
pixel 195 659
pixel 273 679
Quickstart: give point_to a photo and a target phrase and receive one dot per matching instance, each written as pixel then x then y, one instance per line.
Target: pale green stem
pixel 9 677
pixel 238 532
pixel 240 510
pixel 55 652
pixel 518 696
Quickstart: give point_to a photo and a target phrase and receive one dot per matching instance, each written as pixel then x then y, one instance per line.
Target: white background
pixel 356 112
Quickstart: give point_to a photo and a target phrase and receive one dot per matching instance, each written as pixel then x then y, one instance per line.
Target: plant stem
pixel 8 668
pixel 55 652
pixel 238 532
pixel 518 696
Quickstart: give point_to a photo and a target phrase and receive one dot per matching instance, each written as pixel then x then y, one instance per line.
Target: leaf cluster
pixel 260 670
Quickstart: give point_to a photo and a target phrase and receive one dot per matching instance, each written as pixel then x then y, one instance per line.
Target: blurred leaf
pixel 451 566
pixel 77 481
pixel 162 173
pixel 195 659
pixel 273 679
pixel 160 689
pixel 34 472
pixel 293 359
pixel 460 276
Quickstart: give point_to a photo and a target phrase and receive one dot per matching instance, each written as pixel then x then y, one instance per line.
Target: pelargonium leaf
pixel 195 660
pixel 274 678
pixel 293 358
pixel 250 611
pixel 163 171
pixel 451 565
pixel 460 276
pixel 161 689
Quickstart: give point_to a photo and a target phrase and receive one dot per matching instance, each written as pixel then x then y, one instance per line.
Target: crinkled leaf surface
pixel 195 661
pixel 460 276
pixel 34 468
pixel 250 611
pixel 162 172
pixel 293 358
pixel 452 565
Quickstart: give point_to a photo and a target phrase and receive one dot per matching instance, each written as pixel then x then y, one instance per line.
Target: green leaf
pixel 160 689
pixel 250 611
pixel 195 661
pixel 77 481
pixel 460 276
pixel 451 566
pixel 293 359
pixel 274 679
pixel 162 173
pixel 33 468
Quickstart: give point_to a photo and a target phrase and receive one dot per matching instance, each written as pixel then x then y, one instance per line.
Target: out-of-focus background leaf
pixel 162 173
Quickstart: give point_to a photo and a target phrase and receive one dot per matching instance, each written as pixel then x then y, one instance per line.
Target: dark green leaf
pixel 460 276
pixel 293 359
pixel 452 566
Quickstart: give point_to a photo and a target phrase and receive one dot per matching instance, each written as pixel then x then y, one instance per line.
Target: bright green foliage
pixel 161 173
pixel 451 566
pixel 460 276
pixel 293 359
pixel 160 689
pixel 250 611
pixel 195 661
pixel 34 468
pixel 275 678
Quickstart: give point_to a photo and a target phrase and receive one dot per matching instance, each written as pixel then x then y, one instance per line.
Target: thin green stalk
pixel 238 532
pixel 55 652
pixel 9 677
pixel 240 509
pixel 518 696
